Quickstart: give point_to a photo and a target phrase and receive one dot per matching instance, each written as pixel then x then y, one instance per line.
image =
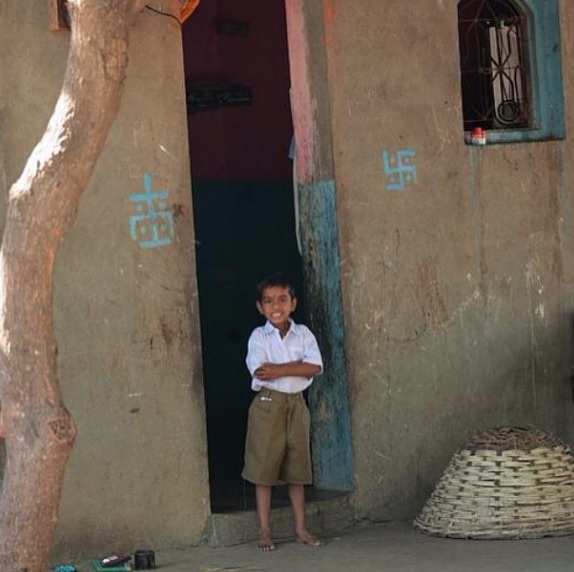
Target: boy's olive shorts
pixel 277 443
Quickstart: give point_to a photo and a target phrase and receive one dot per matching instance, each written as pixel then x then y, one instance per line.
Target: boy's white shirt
pixel 266 345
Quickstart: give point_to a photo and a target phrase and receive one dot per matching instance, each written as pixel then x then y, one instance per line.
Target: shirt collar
pixel 269 328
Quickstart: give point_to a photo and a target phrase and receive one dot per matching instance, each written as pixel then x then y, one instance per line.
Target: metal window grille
pixel 494 64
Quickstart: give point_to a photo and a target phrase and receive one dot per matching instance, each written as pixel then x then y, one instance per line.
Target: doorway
pixel 240 138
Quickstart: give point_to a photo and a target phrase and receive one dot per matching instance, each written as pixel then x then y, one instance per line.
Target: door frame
pixel 331 439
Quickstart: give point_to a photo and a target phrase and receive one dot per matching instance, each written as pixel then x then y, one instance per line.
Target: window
pixel 511 78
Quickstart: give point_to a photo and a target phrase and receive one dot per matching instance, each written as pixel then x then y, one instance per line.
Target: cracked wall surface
pixel 456 260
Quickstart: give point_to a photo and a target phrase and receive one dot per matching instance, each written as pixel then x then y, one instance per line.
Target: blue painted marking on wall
pixel 399 169
pixel 153 224
pixel 328 396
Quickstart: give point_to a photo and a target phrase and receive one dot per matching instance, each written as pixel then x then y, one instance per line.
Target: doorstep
pixel 229 529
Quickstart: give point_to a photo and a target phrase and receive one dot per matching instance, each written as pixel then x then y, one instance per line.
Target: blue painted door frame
pixel 332 446
pixel 328 396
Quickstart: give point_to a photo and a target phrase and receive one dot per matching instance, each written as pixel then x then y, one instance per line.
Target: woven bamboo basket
pixel 507 483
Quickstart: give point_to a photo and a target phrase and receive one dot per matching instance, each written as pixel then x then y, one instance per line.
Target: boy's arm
pixel 271 371
pixel 256 354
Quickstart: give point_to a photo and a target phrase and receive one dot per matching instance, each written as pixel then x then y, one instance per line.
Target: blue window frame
pixel 511 70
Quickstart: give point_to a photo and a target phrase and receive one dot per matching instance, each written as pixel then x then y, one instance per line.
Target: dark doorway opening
pixel 240 133
pixel 240 129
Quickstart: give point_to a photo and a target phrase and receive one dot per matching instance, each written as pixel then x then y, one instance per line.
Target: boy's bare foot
pixel 305 537
pixel 265 544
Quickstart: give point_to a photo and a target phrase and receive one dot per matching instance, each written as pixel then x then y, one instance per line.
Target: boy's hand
pixel 268 371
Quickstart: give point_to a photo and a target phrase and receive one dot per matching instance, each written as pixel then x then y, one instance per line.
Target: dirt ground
pixel 385 547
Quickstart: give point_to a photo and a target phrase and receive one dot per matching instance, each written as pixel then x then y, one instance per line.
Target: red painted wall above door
pixel 243 43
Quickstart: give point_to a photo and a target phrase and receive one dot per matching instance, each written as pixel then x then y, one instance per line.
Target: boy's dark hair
pixel 275 279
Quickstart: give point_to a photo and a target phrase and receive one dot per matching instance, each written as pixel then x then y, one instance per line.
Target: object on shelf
pixel 204 95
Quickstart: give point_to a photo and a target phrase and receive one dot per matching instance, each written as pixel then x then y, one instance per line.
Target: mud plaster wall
pixel 125 303
pixel 458 289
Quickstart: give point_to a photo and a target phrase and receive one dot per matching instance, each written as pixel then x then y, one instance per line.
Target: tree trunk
pixel 39 431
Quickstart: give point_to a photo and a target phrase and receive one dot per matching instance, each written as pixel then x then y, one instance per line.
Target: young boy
pixel 282 358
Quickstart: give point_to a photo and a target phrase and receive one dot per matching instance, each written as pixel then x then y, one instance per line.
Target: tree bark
pixel 39 431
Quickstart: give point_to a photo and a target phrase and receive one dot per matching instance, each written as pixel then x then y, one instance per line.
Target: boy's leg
pixel 297 498
pixel 263 500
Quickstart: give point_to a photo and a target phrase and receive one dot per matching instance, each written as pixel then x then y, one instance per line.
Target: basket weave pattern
pixel 507 483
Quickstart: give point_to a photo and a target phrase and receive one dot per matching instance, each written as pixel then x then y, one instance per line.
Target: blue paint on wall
pixel 328 396
pixel 546 50
pixel 153 224
pixel 399 169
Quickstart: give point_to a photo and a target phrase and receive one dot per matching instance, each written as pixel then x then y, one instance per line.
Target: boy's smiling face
pixel 276 305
